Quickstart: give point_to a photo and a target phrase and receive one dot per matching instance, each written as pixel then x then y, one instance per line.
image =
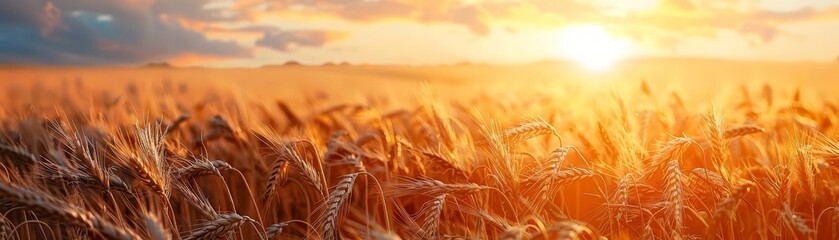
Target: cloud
pixel 51 19
pixel 287 41
pixel 469 15
pixel 42 32
pixel 683 19
pixel 195 10
pixel 764 31
pixel 80 32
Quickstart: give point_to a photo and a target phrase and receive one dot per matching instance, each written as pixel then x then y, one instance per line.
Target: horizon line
pixel 295 63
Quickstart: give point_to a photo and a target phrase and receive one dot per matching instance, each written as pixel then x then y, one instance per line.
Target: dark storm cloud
pixel 83 32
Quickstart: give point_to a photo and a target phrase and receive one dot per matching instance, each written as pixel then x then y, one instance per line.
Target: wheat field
pixel 459 152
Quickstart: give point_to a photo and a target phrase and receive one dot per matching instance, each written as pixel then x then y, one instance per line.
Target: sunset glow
pixel 253 33
pixel 419 119
pixel 592 47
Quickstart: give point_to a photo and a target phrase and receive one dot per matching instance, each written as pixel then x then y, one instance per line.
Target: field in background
pixel 653 149
pixel 458 81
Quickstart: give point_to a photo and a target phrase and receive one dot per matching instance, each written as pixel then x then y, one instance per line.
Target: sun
pixel 592 46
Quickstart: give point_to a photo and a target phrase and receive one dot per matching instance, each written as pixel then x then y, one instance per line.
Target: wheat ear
pixel 674 193
pixel 528 130
pixel 156 229
pixel 742 131
pixel 47 207
pixel 334 201
pixel 217 228
pixel 430 226
pixel 201 168
pixel 275 229
pixel 795 220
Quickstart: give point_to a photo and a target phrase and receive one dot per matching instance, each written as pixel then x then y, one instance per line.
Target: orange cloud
pixel 233 34
pixel 684 17
pixel 183 27
pixel 667 23
pixel 471 16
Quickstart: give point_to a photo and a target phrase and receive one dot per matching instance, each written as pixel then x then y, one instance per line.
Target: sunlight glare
pixel 592 47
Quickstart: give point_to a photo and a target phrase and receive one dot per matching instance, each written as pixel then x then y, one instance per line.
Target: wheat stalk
pixel 835 222
pixel 5 228
pixel 305 170
pixel 742 131
pixel 277 178
pixel 174 125
pixel 561 177
pixel 434 209
pixel 716 140
pixel 217 228
pixel 672 149
pixel 156 229
pixel 568 230
pixel 201 168
pixel 711 180
pixel 728 206
pixel 59 168
pixel 442 163
pixel 19 153
pixel 84 152
pixel 528 130
pixel 145 156
pixel 795 220
pixel 674 194
pixel 608 143
pixel 47 207
pixel 556 157
pixel 432 187
pixel 274 229
pixel 622 193
pixel 80 180
pixel 334 202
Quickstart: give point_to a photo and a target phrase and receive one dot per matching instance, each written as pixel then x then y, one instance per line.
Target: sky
pixel 252 33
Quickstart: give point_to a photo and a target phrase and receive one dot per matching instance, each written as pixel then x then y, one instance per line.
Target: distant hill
pixel 286 64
